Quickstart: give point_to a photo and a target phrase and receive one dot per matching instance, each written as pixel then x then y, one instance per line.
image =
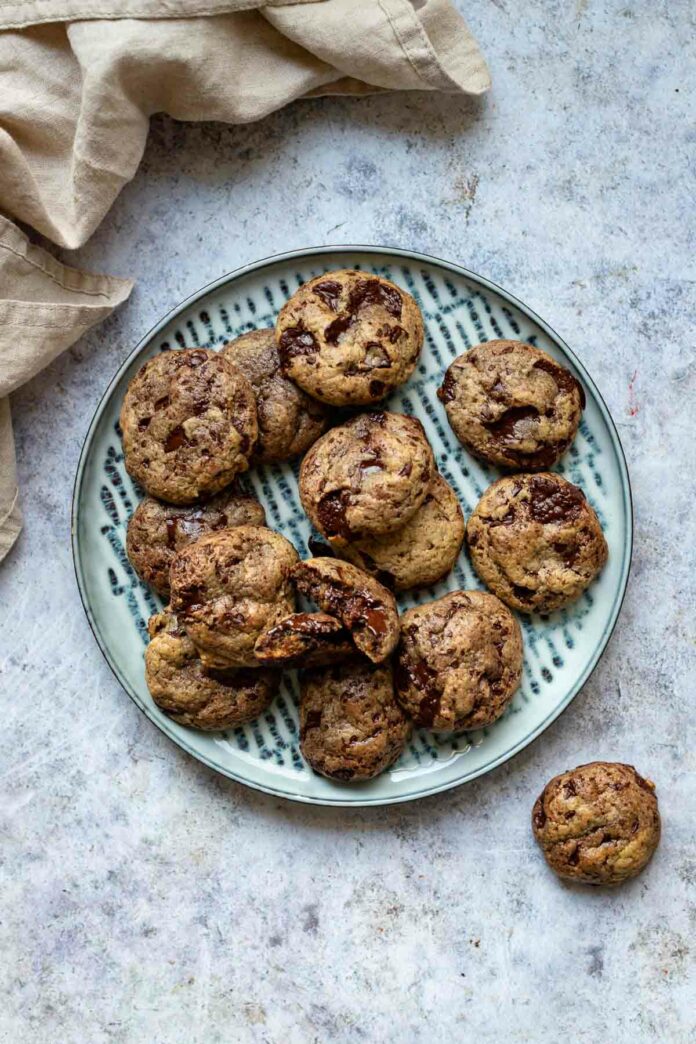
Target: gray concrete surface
pixel 145 899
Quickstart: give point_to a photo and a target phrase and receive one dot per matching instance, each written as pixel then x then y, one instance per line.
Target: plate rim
pixel 232 276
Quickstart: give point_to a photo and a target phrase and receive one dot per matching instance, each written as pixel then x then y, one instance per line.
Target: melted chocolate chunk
pixel 175 439
pixel 376 621
pixel 171 532
pixel 539 814
pixel 335 330
pixel 372 292
pixel 552 503
pixel 574 856
pixel 428 710
pixel 162 403
pixel 144 423
pixel 331 512
pixel 506 427
pixel 564 380
pixel 329 292
pixel 296 341
pixel 570 788
pixel 377 389
pixel 449 388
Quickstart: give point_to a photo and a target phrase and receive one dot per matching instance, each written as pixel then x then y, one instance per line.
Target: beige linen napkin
pixel 79 80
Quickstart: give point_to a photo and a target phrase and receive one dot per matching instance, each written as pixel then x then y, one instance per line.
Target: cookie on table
pixel 364 606
pixel 535 541
pixel 351 727
pixel 289 419
pixel 189 425
pixel 230 586
pixel 348 338
pixel 459 661
pixel 305 640
pixel 369 475
pixel 157 531
pixel 421 552
pixel 512 404
pixel 197 696
pixel 598 824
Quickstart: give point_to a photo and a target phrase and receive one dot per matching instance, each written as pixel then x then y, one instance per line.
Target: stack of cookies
pixel 193 420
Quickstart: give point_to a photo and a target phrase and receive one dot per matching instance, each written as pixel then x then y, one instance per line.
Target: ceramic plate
pixel 460 309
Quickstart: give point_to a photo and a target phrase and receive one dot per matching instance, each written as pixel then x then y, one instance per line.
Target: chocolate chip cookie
pixel 197 696
pixel 364 606
pixel 348 338
pixel 189 425
pixel 512 404
pixel 459 661
pixel 289 419
pixel 421 552
pixel 598 823
pixel 230 586
pixel 305 640
pixel 535 541
pixel 367 476
pixel 157 531
pixel 351 727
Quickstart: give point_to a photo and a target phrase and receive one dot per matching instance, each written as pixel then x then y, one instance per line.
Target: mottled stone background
pixel 146 899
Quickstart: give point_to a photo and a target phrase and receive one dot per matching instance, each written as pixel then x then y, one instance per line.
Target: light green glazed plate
pixel 460 309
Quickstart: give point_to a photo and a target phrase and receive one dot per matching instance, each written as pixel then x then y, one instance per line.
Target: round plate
pixel 460 309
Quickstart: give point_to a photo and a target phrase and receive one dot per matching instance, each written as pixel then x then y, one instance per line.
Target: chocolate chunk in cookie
pixel 305 640
pixel 459 661
pixel 351 727
pixel 197 696
pixel 364 607
pixel 230 586
pixel 367 476
pixel 598 823
pixel 421 552
pixel 348 338
pixel 189 425
pixel 512 404
pixel 157 531
pixel 289 419
pixel 536 542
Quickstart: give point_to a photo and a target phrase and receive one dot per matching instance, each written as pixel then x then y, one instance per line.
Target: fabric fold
pixel 80 80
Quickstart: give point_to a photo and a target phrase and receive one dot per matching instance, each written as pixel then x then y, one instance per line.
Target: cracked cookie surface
pixel 196 696
pixel 598 823
pixel 459 661
pixel 421 552
pixel 364 606
pixel 189 424
pixel 351 727
pixel 289 419
pixel 348 338
pixel 369 475
pixel 535 541
pixel 512 404
pixel 157 531
pixel 230 586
